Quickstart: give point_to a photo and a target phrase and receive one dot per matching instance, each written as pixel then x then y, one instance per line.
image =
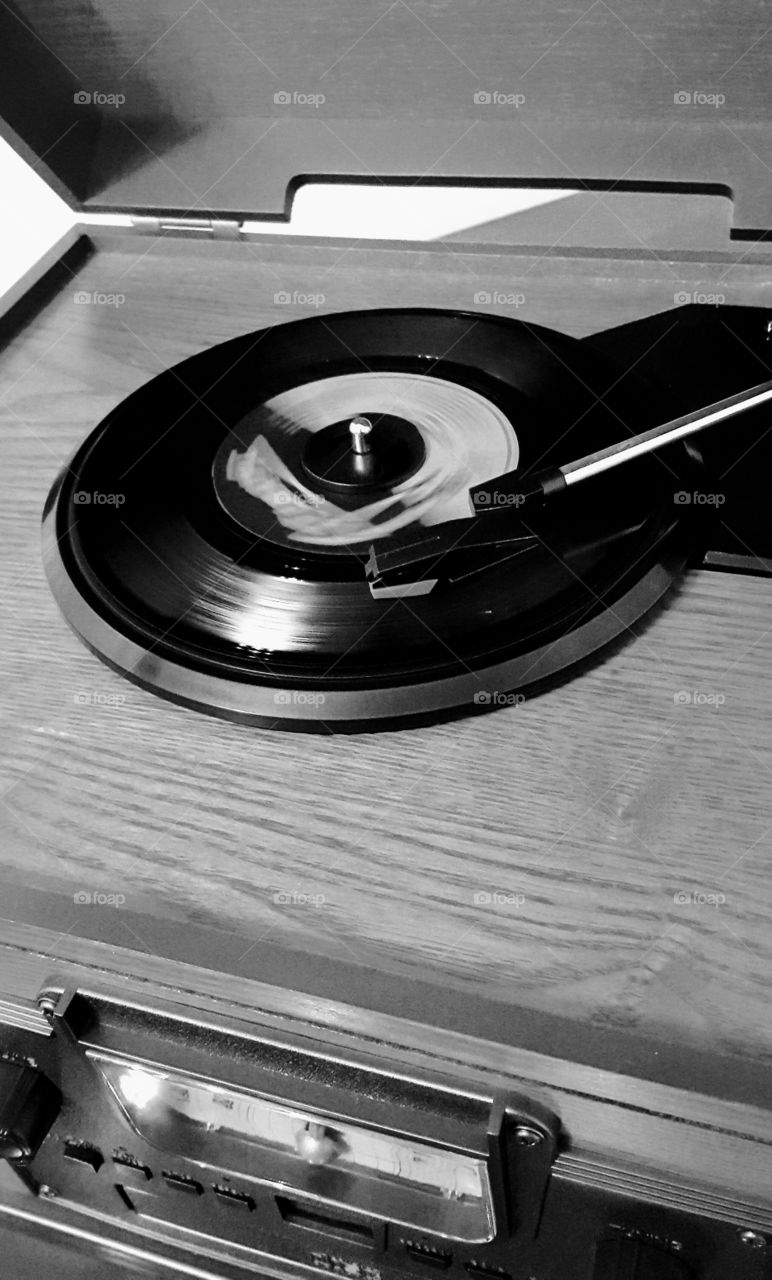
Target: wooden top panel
pixel 621 837
pixel 223 104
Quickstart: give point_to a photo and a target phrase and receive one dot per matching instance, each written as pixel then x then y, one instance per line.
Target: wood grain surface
pixel 587 816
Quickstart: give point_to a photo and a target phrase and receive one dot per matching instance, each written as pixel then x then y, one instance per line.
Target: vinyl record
pixel 209 539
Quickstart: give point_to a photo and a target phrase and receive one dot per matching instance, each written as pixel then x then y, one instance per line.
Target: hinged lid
pixel 222 105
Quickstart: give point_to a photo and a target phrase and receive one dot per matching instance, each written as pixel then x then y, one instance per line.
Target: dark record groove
pixel 198 541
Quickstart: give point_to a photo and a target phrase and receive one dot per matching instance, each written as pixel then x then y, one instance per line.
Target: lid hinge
pixel 208 228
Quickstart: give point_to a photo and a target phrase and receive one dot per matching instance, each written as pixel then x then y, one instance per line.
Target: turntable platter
pixel 210 538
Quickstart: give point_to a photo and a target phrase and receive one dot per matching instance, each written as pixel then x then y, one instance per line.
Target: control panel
pixel 140 1123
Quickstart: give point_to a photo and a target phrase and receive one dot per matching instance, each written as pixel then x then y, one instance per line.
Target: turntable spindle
pixel 360 429
pixel 351 457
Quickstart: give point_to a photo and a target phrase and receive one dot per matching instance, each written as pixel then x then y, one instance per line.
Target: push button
pixel 237 1199
pixel 132 1169
pixel 84 1153
pixel 181 1182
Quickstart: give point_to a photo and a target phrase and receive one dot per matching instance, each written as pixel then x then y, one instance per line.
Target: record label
pixel 261 481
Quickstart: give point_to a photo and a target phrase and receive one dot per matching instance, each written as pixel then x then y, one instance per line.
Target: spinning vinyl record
pixel 210 538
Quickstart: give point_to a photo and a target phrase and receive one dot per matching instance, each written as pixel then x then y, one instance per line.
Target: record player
pixel 471 975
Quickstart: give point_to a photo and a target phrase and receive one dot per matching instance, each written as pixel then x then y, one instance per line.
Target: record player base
pixel 599 851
